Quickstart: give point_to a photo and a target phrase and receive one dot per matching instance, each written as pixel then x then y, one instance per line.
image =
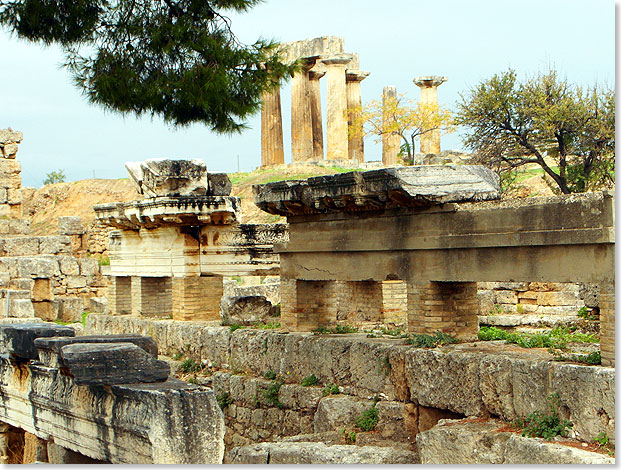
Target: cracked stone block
pixel 112 363
pixel 18 340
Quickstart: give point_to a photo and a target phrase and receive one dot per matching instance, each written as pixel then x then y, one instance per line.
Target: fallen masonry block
pixel 111 364
pixel 170 422
pixel 50 348
pixel 18 340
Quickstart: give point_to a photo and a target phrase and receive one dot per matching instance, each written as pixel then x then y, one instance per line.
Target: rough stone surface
pixel 471 442
pixel 317 453
pixel 18 340
pixel 50 348
pixel 219 184
pixel 245 310
pixel 164 177
pixel 98 304
pixel 61 456
pixel 334 413
pixel 70 225
pixel 386 188
pixel 112 363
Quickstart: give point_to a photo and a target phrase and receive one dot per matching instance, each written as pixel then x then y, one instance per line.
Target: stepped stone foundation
pixel 439 230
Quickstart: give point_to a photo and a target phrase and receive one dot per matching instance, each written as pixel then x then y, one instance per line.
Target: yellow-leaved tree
pixel 404 118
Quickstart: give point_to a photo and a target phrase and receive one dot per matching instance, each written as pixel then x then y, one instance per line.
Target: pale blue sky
pixel 465 40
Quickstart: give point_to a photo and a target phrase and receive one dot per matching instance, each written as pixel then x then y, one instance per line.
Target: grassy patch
pixel 271 393
pixel 545 424
pixel 189 365
pixel 310 381
pixel 431 341
pixel 331 389
pixel 368 419
pixel 556 338
pixel 267 326
pixel 337 330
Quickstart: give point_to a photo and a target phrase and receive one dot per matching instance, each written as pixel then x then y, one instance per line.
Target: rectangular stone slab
pixel 49 348
pixel 111 364
pixel 378 190
pixel 18 340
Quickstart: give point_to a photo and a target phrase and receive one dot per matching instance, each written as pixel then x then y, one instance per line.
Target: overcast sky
pixel 464 40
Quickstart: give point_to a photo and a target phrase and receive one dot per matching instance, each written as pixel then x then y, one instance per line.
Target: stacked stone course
pixel 10 174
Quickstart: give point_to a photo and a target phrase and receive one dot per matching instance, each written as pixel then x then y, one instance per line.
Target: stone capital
pixel 429 81
pixel 317 71
pixel 356 75
pixel 338 59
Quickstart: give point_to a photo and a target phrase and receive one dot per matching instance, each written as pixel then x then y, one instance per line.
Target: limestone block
pixel 76 282
pixel 45 310
pixel 9 150
pixel 163 177
pixel 69 266
pixel 334 413
pixel 89 267
pixel 589 293
pixel 70 225
pixel 10 172
pixel 37 267
pixel 55 244
pixel 70 308
pixel 8 136
pixel 18 340
pixel 219 184
pixel 98 305
pixel 50 348
pixel 112 363
pixel 21 308
pixel 25 246
pixel 556 299
pixel 317 453
pixel 506 297
pixel 14 196
pixel 245 310
pixel 3 196
pixel 522 450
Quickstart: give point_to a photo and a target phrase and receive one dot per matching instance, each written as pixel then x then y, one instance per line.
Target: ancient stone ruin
pixel 99 399
pixel 172 248
pixel 430 139
pixel 324 56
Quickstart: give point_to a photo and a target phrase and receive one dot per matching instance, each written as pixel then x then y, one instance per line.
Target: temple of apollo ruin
pixel 320 57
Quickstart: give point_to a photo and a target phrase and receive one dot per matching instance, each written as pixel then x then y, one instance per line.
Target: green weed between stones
pixel 592 359
pixel 368 419
pixel 545 424
pixel 189 365
pixel 271 393
pixel 350 436
pixel 337 330
pixel 431 341
pixel 310 381
pixel 331 389
pixel 224 400
pixel 556 338
pixel 270 374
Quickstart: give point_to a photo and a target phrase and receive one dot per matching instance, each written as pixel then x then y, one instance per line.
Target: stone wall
pixel 10 174
pixel 488 379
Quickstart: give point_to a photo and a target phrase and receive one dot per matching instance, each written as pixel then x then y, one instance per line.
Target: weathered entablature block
pixel 127 410
pixel 172 248
pixel 440 230
pixel 378 190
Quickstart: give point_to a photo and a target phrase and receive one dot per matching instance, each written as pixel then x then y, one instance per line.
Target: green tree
pixel 54 177
pixel 565 129
pixel 178 59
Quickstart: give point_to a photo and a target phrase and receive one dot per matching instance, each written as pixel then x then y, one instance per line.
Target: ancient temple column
pixel 272 149
pixel 429 141
pixel 607 323
pixel 390 142
pixel 337 107
pixel 301 118
pixel 450 307
pixel 354 105
pixel 315 106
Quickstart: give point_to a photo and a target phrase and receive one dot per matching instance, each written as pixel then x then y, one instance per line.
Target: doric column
pixel 337 106
pixel 429 141
pixel 354 106
pixel 315 105
pixel 272 149
pixel 301 118
pixel 390 141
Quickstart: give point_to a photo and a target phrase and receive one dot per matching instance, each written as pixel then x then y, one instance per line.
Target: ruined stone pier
pixel 441 230
pixel 173 247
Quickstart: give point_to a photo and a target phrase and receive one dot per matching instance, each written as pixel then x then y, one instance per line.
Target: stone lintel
pixel 356 75
pixel 18 340
pixel 375 190
pixel 180 210
pixel 325 45
pixel 429 81
pixel 112 364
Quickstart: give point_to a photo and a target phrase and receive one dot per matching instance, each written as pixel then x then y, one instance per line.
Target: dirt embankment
pixel 43 206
